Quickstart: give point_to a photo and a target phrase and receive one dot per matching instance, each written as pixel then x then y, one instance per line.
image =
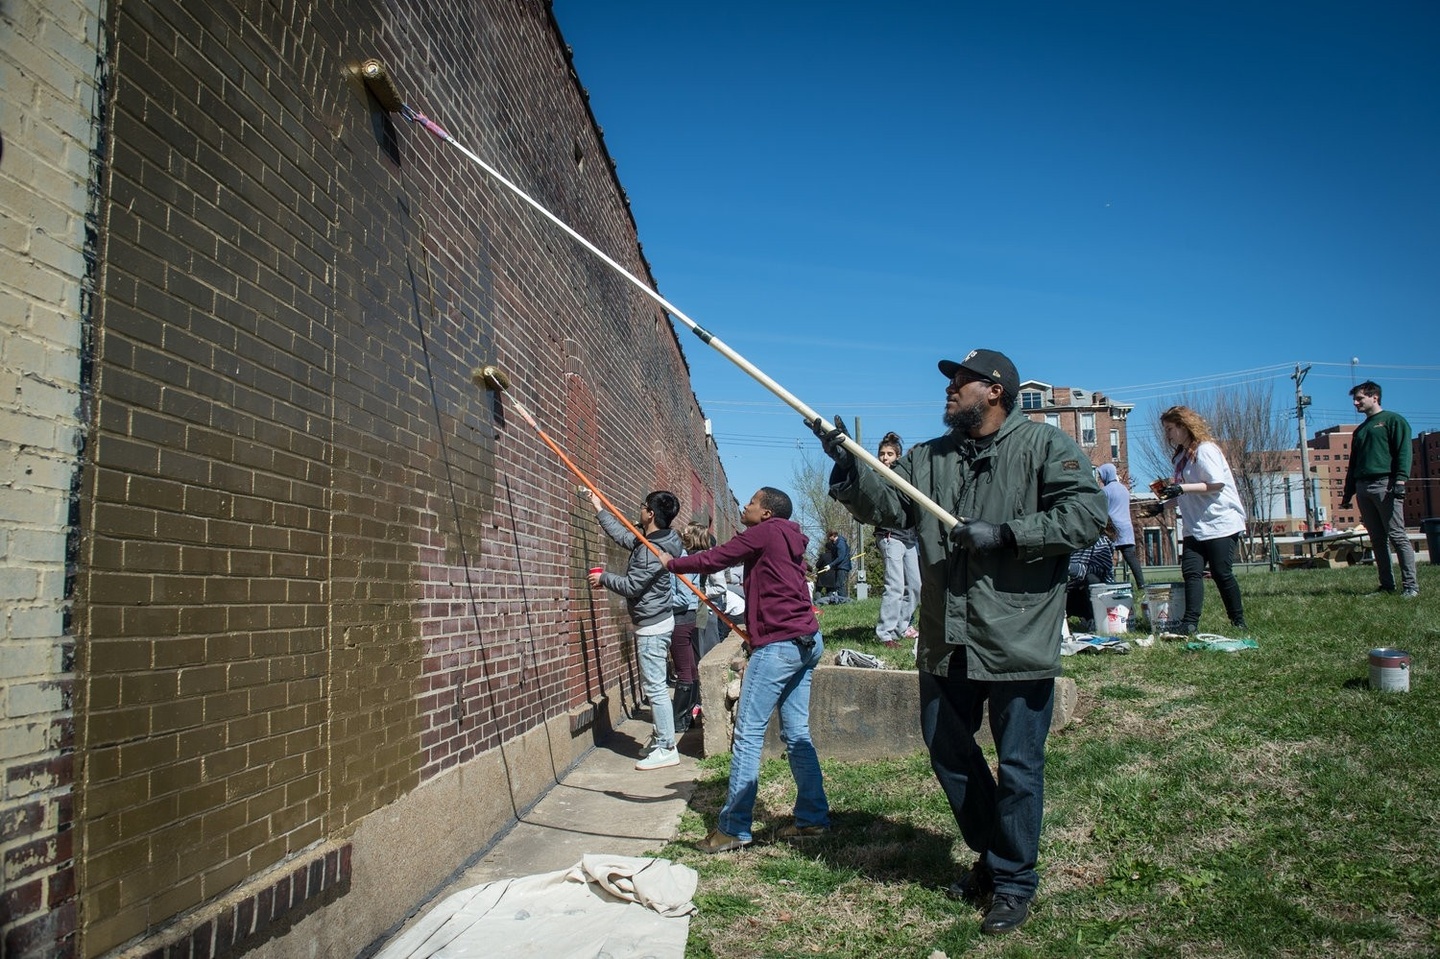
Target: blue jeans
pixel 902 588
pixel 778 676
pixel 654 655
pixel 999 820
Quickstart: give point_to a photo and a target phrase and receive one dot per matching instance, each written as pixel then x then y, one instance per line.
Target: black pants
pixel 1077 597
pixel 1127 553
pixel 1219 555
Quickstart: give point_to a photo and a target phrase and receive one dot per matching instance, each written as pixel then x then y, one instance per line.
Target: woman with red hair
pixel 1212 516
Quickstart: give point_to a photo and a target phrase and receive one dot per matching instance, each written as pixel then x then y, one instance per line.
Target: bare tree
pixel 1153 451
pixel 1249 431
pixel 815 511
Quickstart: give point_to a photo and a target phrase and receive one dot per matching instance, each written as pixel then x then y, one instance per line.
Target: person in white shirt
pixel 1212 516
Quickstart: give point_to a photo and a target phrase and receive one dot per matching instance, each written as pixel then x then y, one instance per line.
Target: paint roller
pixel 377 79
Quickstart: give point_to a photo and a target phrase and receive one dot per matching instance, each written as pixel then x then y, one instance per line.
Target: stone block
pixel 855 714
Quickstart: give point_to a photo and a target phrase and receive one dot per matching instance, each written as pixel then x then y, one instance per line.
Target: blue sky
pixel 1135 198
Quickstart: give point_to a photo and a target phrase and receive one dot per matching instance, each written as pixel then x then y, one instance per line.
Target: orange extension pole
pixel 489 378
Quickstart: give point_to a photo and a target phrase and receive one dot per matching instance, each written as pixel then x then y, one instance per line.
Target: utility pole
pixel 862 588
pixel 1302 401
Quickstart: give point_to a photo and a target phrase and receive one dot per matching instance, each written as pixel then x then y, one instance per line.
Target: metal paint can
pixel 1390 669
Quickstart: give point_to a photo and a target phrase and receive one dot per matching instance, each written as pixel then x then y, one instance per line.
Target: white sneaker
pixel 659 758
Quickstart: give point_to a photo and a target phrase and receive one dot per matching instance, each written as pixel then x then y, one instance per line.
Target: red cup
pixel 596 570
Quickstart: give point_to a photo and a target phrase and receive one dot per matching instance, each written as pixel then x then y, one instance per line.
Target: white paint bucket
pixel 1390 670
pixel 1164 605
pixel 1110 604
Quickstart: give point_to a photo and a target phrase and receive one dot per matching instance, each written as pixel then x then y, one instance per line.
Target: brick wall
pixel 1422 493
pixel 49 123
pixel 316 566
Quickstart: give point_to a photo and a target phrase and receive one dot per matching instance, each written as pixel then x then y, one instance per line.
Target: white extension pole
pixel 706 336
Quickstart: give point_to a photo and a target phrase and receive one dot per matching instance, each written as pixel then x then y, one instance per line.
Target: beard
pixel 966 420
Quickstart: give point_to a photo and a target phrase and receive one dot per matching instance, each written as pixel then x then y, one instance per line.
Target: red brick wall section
pixel 587 662
pixel 320 565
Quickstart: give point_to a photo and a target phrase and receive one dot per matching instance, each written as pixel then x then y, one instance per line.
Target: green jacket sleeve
pixel 1069 510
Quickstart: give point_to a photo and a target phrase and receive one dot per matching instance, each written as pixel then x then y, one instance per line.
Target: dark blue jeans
pixel 998 819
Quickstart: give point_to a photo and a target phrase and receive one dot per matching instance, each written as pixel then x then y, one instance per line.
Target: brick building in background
pixel 1099 425
pixel 1329 455
pixel 1092 419
pixel 296 619
pixel 1422 494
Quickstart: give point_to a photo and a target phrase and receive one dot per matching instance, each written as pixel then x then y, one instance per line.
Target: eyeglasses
pixel 962 377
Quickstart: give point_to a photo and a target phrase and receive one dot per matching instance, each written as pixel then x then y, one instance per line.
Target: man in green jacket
pixel 992 599
pixel 1379 466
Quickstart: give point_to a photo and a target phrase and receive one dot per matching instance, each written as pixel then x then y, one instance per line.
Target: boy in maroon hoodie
pixel 785 646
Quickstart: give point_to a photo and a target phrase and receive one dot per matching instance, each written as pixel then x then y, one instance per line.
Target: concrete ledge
pixel 855 714
pixel 718 676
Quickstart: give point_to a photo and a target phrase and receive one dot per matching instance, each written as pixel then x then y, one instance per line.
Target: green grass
pixel 1263 803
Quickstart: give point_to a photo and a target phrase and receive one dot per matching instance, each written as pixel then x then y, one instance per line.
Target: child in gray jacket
pixel 645 584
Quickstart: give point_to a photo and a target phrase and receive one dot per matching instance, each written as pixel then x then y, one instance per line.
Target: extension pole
pixel 380 84
pixel 491 378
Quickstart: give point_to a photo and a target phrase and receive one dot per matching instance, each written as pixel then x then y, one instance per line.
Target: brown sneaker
pixel 721 841
pixel 793 831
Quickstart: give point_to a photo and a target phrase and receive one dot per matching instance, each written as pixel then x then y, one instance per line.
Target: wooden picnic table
pixel 1328 550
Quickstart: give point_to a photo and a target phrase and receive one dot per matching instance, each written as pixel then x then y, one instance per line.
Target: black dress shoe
pixel 976 886
pixel 1008 912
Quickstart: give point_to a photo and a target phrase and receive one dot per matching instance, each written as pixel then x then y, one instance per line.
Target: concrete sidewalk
pixel 602 805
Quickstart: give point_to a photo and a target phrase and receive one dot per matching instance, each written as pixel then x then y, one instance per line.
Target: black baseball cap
pixel 987 364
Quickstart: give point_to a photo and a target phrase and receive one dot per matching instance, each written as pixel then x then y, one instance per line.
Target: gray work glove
pixel 1397 488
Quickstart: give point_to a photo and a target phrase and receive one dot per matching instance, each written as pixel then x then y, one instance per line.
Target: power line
pixel 1134 393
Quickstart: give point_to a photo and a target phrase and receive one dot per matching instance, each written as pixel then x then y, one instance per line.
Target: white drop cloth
pixel 617 907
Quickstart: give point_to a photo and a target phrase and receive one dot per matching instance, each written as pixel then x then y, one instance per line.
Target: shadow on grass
pixel 878 847
pixel 848 635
